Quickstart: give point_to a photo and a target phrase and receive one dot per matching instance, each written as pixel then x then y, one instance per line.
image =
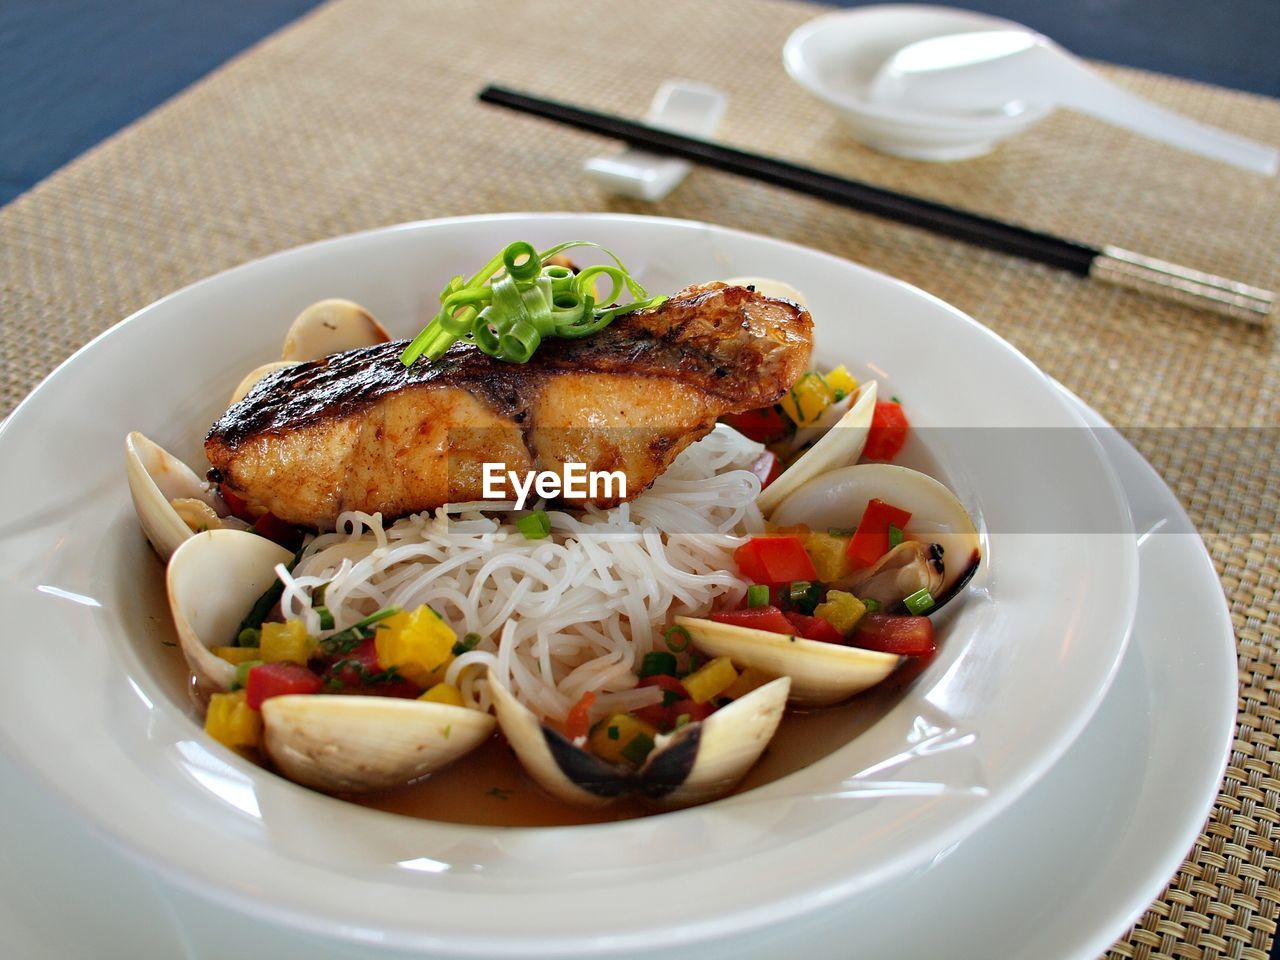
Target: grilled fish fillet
pixel 360 431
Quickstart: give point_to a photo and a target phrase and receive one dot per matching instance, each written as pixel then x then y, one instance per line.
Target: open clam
pixel 336 743
pixel 940 528
pixel 821 673
pixel 329 326
pixel 696 763
pixel 171 501
pixel 837 446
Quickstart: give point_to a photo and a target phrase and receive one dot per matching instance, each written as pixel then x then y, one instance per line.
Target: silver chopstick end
pixel 1184 285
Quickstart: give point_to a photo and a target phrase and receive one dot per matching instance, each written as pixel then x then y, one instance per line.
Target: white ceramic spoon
pixel 1001 71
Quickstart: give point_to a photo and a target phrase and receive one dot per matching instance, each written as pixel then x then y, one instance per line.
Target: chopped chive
pixel 344 641
pixel 757 595
pixel 263 605
pixel 871 605
pixel 919 602
pixel 682 720
pixel 894 400
pixel 535 526
pixel 468 642
pixel 895 536
pixel 840 395
pixel 677 630
pixel 658 663
pixel 242 672
pixel 249 637
pixel 840 531
pixel 326 617
pixel 638 748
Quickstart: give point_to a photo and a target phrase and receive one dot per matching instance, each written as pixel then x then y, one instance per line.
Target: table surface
pixel 357 115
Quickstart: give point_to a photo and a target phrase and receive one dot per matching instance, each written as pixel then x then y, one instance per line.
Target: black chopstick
pixel 1107 263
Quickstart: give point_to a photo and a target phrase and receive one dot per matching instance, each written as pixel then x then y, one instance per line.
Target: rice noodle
pixel 572 613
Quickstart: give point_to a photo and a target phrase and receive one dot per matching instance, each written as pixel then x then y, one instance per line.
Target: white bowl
pixel 836 56
pixel 93 703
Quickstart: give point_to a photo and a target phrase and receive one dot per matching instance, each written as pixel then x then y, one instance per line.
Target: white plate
pixel 1097 838
pixel 93 709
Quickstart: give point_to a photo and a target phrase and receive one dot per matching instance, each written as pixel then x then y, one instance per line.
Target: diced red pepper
pixel 756 618
pixel 763 426
pixel 774 560
pixel 905 636
pixel 578 723
pixel 665 717
pixel 888 431
pixel 870 541
pixel 269 680
pixel 351 669
pixel 276 530
pixel 814 628
pixel 767 467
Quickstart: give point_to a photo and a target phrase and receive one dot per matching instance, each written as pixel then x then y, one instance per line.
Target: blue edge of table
pixel 72 72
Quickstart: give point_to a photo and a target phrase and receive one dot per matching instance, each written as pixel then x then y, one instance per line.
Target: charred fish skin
pixel 360 431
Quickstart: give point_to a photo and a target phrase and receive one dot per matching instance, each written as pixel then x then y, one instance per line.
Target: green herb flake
pixel 467 643
pixel 638 748
pixel 871 605
pixel 919 602
pixel 535 526
pixel 682 720
pixel 895 536
pixel 676 630
pixel 613 732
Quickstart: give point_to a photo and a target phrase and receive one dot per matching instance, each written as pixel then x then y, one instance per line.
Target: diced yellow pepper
pixel 806 400
pixel 748 680
pixel 232 722
pixel 443 693
pixel 622 739
pixel 842 380
pixel 710 680
pixel 417 643
pixel 830 555
pixel 286 642
pixel 841 610
pixel 237 655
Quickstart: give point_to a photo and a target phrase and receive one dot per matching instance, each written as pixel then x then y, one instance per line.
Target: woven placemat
pixel 363 114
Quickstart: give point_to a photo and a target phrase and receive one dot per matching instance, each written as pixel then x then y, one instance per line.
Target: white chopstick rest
pixel 681 106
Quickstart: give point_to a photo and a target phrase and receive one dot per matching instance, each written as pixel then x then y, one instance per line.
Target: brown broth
pixel 489 788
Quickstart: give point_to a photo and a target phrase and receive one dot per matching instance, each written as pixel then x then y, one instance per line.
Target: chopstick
pixel 1108 263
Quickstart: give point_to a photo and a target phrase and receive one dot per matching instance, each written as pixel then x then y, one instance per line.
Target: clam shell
pixel 838 498
pixel 330 326
pixel 254 375
pixel 213 580
pixel 355 744
pixel 840 445
pixel 157 477
pixel 698 762
pixel 340 744
pixel 821 673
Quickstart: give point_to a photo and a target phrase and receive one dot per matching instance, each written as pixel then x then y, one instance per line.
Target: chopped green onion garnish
pixel 638 748
pixel 871 605
pixel 841 531
pixel 895 536
pixel 658 663
pixel 536 526
pixel 469 642
pixel 242 673
pixel 326 617
pixel 516 300
pixel 757 595
pixel 840 395
pixel 677 631
pixel 263 605
pixel 682 720
pixel 919 602
pixel 894 400
pixel 249 637
pixel 344 641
